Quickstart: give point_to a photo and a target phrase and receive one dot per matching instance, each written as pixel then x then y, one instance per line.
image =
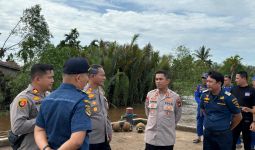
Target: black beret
pixel 76 65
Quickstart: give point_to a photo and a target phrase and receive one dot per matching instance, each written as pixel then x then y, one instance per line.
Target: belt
pixel 217 132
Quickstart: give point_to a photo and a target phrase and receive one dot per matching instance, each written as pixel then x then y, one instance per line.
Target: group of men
pixel 225 111
pixel 74 116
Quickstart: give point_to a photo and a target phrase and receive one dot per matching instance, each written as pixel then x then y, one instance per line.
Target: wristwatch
pixel 46 146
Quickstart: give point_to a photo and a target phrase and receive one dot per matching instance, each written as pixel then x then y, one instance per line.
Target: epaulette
pixel 204 91
pixel 227 93
pixel 152 91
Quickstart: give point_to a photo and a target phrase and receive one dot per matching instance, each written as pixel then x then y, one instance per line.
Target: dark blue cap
pixel 204 75
pixel 253 78
pixel 76 65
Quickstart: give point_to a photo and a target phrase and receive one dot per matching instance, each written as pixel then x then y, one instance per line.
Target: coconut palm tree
pixel 203 55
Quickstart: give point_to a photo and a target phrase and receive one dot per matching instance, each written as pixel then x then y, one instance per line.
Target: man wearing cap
pixel 25 106
pixel 101 134
pixel 200 117
pixel 63 121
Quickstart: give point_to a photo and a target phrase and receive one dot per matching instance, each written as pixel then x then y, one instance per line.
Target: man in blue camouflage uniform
pixel 222 114
pixel 227 86
pixel 200 117
pixel 63 121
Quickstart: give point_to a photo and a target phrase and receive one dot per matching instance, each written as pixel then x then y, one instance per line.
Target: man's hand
pixel 179 102
pixel 246 109
pixel 109 138
pixel 252 126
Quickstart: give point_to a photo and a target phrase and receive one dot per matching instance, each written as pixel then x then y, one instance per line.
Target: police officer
pixel 25 106
pixel 163 112
pixel 63 121
pixel 245 95
pixel 222 114
pixel 101 134
pixel 200 117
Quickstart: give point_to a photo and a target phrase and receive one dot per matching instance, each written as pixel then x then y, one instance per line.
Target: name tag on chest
pixel 153 105
pixel 247 94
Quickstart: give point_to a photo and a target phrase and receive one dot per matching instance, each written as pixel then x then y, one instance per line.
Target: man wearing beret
pixel 64 118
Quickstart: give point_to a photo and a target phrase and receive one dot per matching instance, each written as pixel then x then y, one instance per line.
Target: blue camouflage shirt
pixel 218 110
pixel 64 112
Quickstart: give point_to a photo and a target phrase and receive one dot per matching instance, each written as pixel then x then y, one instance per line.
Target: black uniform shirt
pixel 246 97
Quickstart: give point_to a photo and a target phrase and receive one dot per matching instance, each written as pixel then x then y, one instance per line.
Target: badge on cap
pixel 22 102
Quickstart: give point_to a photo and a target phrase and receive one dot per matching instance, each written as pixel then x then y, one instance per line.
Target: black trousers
pixel 217 140
pixel 244 127
pixel 152 147
pixel 100 146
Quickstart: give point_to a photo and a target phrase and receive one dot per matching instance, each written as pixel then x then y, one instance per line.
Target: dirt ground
pixel 135 141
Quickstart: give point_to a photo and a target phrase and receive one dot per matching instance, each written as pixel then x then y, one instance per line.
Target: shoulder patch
pixel 204 91
pixel 227 93
pixel 22 102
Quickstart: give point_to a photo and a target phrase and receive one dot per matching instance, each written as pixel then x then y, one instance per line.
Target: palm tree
pixel 203 54
pixel 235 61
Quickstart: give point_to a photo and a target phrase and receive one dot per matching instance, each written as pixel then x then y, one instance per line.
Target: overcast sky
pixel 225 26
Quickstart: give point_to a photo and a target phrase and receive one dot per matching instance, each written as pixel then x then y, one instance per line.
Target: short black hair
pixel 40 69
pixel 217 76
pixel 164 72
pixel 243 74
pixel 94 68
pixel 227 76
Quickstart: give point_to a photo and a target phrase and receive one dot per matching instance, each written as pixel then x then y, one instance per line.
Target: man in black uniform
pixel 245 95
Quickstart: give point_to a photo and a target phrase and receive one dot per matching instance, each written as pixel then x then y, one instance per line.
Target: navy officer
pixel 63 121
pixel 222 114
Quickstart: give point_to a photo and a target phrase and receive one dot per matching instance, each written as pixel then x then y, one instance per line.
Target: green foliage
pixel 129 69
pixel 19 83
pixel 231 66
pixel 32 30
pixel 71 40
pixel 35 32
pixel 203 55
pixel 57 57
